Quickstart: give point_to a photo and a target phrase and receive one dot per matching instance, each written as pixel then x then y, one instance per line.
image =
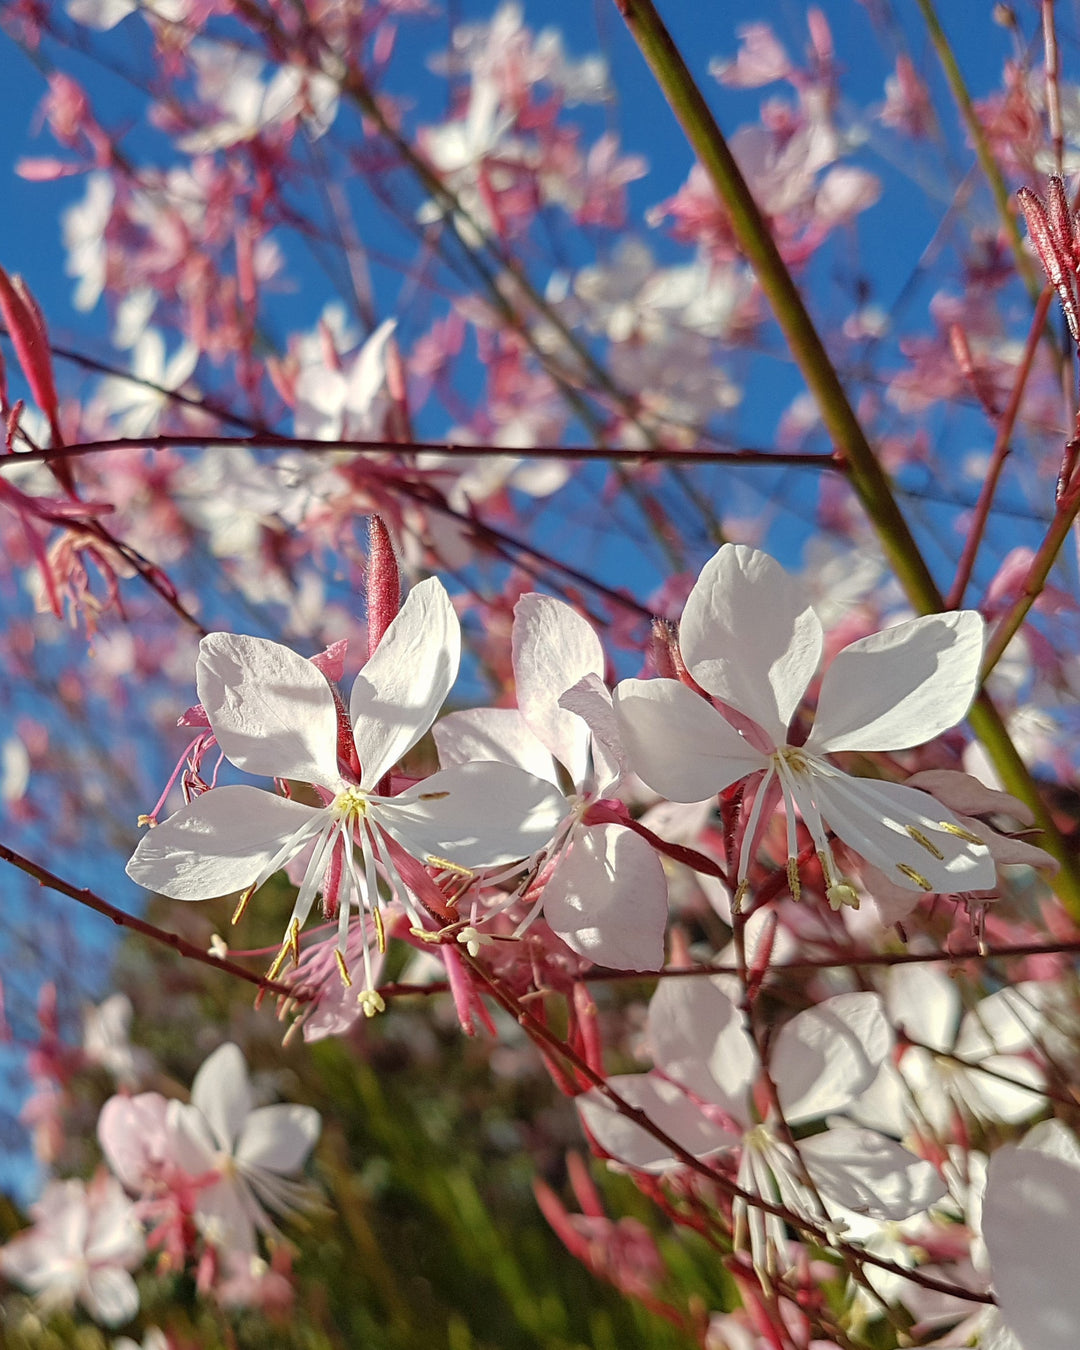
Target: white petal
pixel 901 687
pixel 670 1109
pixel 498 734
pixel 872 1175
pixel 607 899
pixel 110 1295
pixel 279 1138
pixel 925 1003
pixel 999 1093
pixel 1029 1223
pixel 749 636
pixel 677 743
pixel 553 648
pixel 824 1057
pixel 476 815
pixel 272 712
pixel 400 690
pixel 222 1093
pixel 697 1034
pixel 876 819
pixel 590 700
pixel 217 844
pixel 1008 1022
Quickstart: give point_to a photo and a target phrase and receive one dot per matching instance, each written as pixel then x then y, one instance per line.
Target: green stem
pixel 868 479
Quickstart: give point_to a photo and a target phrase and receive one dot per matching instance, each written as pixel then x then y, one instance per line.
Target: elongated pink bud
pixel 383 583
pixel 26 328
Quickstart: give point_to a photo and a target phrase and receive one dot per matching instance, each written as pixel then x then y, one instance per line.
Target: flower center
pixel 350 805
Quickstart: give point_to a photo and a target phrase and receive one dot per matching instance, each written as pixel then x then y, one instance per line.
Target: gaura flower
pixel 274 713
pixel 252 1154
pixel 751 640
pixel 84 1243
pixel 604 890
pixel 705 1089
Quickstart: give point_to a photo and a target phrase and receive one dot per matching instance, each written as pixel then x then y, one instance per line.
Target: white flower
pixel 107 1040
pixel 976 1064
pixel 605 895
pixel 84 1242
pixel 274 713
pixel 1029 1224
pixel 254 1151
pixel 702 1094
pixel 750 639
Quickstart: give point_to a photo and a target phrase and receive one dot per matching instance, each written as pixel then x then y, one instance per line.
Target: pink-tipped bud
pixel 383 582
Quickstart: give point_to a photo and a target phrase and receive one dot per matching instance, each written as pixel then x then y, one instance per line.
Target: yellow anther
pixel 959 832
pixel 343 969
pixel 294 941
pixel 278 961
pixel 739 896
pixel 371 1001
pixel 447 866
pixel 925 843
pixel 147 820
pixel 380 931
pixel 242 904
pixel 914 876
pixel 432 796
pixel 794 884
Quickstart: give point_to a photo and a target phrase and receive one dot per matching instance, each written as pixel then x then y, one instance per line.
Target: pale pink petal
pixel 901 687
pixel 1029 1223
pixel 132 1135
pixel 481 814
pixel 217 844
pixel 677 743
pixel 882 822
pixel 667 1106
pixel 222 1093
pixel 872 1175
pixel 398 694
pixel 499 734
pixel 964 794
pixel 824 1057
pixel 272 712
pixel 553 648
pixel 279 1138
pixel 749 635
pixel 607 899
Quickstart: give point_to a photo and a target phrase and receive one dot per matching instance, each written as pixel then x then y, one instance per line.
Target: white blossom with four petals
pixel 275 714
pixel 752 641
pixel 251 1153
